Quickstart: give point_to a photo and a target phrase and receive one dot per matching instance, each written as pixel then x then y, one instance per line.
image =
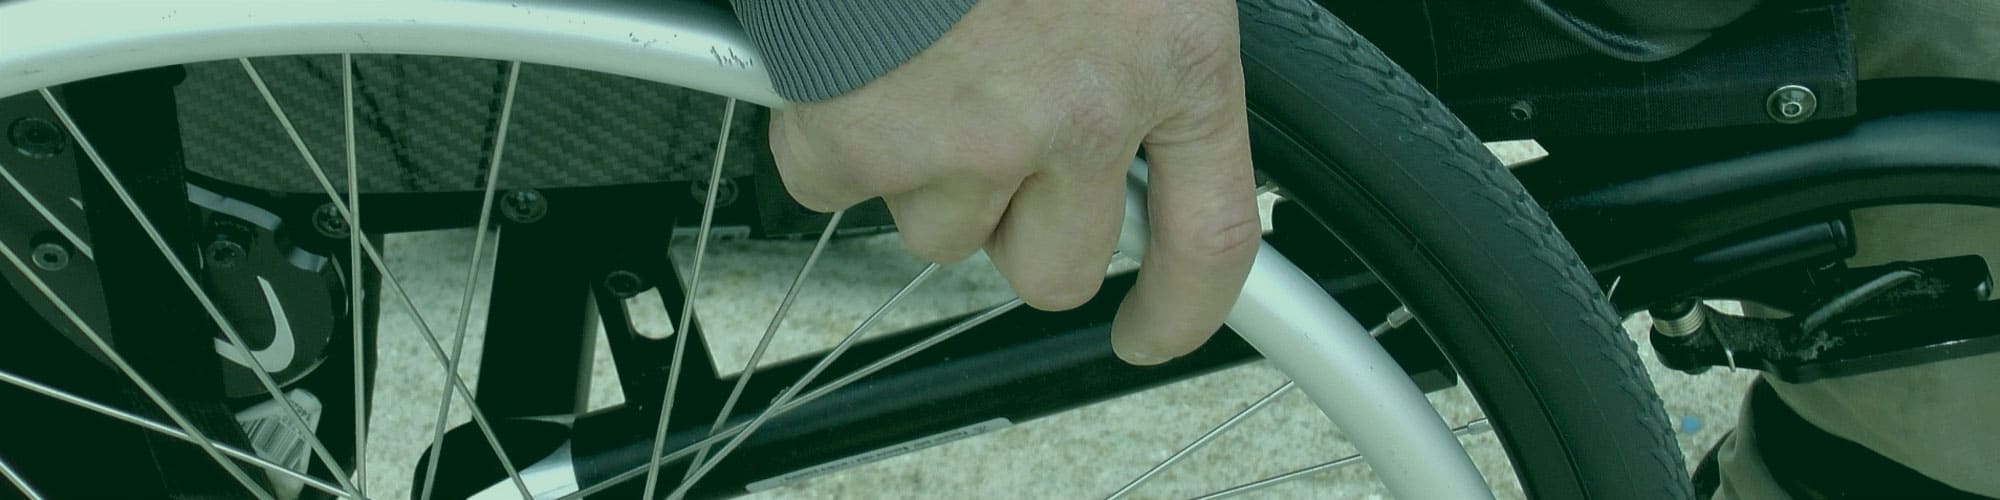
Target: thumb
pixel 1204 233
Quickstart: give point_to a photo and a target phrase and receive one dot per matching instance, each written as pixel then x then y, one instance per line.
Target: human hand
pixel 1013 133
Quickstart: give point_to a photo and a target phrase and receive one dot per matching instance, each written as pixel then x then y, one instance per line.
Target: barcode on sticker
pixel 274 437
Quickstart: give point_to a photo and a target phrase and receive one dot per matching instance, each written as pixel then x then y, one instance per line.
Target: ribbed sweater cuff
pixel 819 49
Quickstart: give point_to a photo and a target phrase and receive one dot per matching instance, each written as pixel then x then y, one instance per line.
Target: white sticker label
pixel 873 456
pixel 274 439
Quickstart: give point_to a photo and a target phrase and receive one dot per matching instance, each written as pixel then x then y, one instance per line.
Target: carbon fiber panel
pixel 425 124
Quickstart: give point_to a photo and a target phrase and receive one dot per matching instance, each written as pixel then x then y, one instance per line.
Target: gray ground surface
pixel 1082 454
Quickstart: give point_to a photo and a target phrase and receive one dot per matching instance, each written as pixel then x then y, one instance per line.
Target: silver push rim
pixel 1283 313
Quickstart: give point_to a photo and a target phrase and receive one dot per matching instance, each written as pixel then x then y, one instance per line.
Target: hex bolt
pixel 625 284
pixel 1521 111
pixel 50 256
pixel 36 138
pixel 328 222
pixel 227 249
pixel 224 254
pixel 1791 104
pixel 725 192
pixel 524 205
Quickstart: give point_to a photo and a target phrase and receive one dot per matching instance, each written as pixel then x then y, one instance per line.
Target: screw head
pixel 50 256
pixel 725 192
pixel 327 221
pixel 524 205
pixel 1791 104
pixel 36 138
pixel 625 284
pixel 224 254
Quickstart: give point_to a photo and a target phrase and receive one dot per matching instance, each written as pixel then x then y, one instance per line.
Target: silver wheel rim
pixel 1285 315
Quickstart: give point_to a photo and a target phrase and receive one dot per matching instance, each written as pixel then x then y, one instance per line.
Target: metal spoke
pixel 167 430
pixel 793 390
pixel 381 267
pixel 19 482
pixel 1205 439
pixel 815 395
pixel 297 419
pixel 1395 319
pixel 770 332
pixel 118 361
pixel 905 353
pixel 471 276
pixel 354 285
pixel 1476 426
pixel 36 203
pixel 693 289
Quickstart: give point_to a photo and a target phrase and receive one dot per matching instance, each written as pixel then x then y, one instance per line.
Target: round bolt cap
pixel 725 192
pixel 36 138
pixel 524 206
pixel 50 256
pixel 1521 111
pixel 1791 104
pixel 224 254
pixel 328 222
pixel 625 284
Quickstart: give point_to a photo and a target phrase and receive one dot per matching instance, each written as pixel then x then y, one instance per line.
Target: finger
pixel 945 222
pixel 1201 205
pixel 811 169
pixel 1056 239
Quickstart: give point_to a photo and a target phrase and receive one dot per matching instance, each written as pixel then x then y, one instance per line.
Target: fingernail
pixel 1142 358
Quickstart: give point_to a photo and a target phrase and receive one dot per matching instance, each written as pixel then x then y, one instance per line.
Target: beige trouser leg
pixel 1941 419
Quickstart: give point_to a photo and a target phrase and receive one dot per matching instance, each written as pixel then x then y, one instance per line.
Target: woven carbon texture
pixel 426 124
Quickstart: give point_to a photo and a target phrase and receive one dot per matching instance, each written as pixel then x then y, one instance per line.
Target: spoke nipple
pixel 524 206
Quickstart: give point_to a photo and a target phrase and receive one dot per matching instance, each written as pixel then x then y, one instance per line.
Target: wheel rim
pixel 44 62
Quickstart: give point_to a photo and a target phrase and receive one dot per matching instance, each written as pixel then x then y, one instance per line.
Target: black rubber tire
pixel 1373 156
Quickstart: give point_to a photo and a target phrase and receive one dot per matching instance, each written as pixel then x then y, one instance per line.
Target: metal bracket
pixel 1940 315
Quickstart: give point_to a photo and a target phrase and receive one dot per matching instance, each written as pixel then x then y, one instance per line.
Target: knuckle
pixel 1227 241
pixel 931 246
pixel 815 196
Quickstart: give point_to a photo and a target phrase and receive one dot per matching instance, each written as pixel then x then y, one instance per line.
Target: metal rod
pixel 472 279
pixel 381 266
pixel 770 332
pixel 1395 319
pixel 1204 440
pixel 693 289
pixel 19 482
pixel 1476 426
pixel 356 309
pixel 166 430
pixel 295 416
pixel 961 327
pixel 793 390
pixel 83 143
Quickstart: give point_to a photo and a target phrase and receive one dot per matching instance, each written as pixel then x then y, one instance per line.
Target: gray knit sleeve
pixel 818 49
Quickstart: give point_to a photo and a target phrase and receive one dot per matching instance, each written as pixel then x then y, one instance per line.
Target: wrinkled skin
pixel 1013 132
